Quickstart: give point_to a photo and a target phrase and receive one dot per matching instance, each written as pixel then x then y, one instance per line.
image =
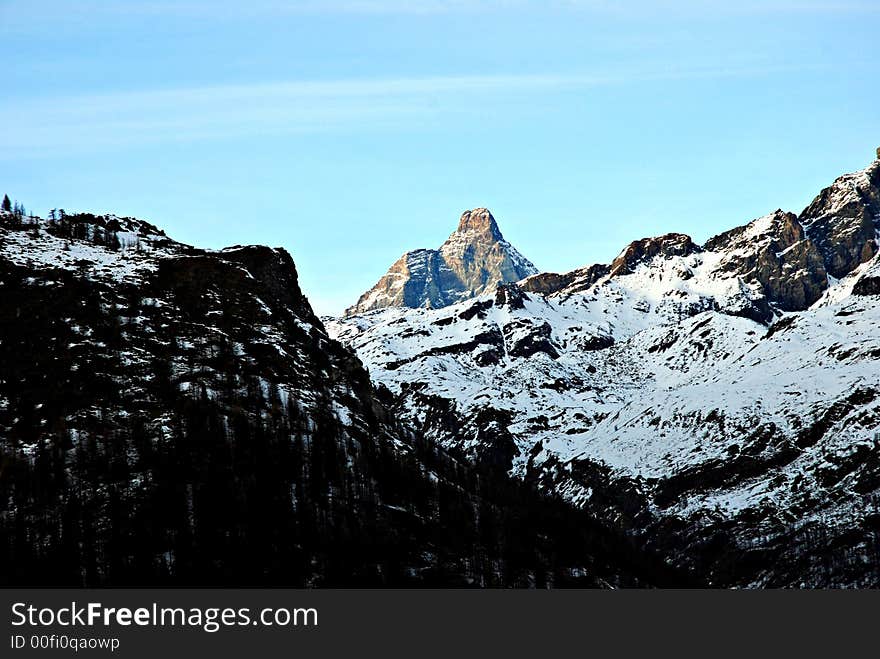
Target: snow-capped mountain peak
pixel 475 258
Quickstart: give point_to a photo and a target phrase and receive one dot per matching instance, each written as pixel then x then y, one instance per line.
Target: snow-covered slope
pixel 726 394
pixel 129 252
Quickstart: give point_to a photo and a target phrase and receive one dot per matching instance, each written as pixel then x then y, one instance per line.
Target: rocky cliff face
pixel 844 220
pixel 576 280
pixel 646 249
pixel 720 402
pixel 475 258
pixel 774 252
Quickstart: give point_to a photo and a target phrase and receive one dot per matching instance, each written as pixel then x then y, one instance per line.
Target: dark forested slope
pixel 176 416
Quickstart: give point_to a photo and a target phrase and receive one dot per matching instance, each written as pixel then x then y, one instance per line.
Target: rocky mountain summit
pixel 720 402
pixel 474 259
pixel 843 221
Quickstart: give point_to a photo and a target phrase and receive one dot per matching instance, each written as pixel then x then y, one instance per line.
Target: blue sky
pixel 349 131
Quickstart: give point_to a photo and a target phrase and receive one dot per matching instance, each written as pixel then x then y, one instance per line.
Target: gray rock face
pixel 474 259
pixel 775 252
pixel 575 281
pixel 844 220
pixel 868 282
pixel 642 251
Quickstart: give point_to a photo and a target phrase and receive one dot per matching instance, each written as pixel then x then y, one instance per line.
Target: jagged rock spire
pixel 475 258
pixel 479 220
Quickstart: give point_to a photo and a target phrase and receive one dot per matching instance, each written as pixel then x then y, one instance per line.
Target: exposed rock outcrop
pixel 844 220
pixel 547 283
pixel 474 259
pixel 641 251
pixel 775 252
pixel 868 283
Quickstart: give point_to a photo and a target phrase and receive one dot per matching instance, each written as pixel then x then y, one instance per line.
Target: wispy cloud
pixel 60 10
pixel 110 120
